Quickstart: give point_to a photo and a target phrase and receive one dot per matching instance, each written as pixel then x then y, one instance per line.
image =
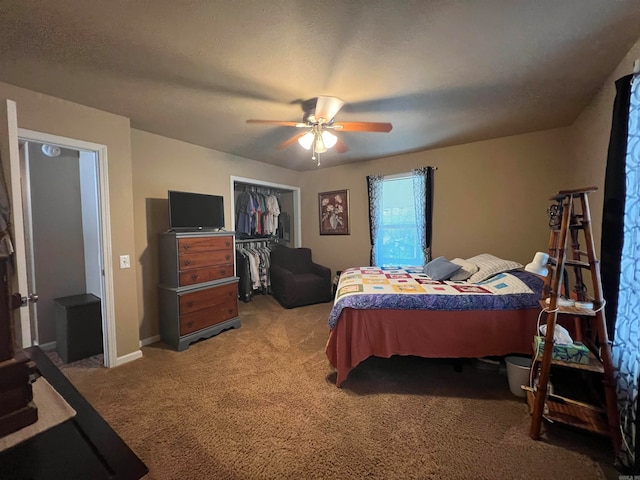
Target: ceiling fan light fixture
pixel 306 140
pixel 320 147
pixel 329 139
pixel 50 150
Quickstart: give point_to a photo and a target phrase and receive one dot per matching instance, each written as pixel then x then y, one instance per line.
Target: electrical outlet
pixel 125 261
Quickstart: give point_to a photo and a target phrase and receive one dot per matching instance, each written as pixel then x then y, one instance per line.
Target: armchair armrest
pixel 281 275
pixel 321 271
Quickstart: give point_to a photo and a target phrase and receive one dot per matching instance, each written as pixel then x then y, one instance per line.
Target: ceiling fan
pixel 318 123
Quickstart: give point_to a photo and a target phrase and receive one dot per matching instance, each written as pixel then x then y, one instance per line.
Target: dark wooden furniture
pixel 568 228
pixel 78 326
pixel 83 447
pixel 198 290
pixel 16 407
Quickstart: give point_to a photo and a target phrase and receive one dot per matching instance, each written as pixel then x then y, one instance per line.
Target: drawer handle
pixel 189 304
pixel 186 247
pixel 228 257
pixel 227 244
pixel 230 311
pixel 194 276
pixel 187 262
pixel 190 324
pixel 223 271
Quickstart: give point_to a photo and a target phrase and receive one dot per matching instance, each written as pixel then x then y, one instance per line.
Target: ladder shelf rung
pixel 553 262
pixel 574 414
pixel 576 263
pixel 575 311
pixel 594 365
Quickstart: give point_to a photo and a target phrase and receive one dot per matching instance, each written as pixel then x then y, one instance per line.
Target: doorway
pixel 66 231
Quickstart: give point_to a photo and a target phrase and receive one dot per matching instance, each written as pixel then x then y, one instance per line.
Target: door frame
pixel 108 302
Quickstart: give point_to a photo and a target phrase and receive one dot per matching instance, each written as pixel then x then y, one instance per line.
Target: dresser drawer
pixel 195 321
pixel 206 274
pixel 201 299
pixel 188 261
pixel 204 244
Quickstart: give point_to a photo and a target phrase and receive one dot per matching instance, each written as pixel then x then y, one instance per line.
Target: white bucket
pixel 518 374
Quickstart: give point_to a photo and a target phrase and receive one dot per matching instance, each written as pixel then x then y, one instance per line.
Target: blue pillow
pixel 441 269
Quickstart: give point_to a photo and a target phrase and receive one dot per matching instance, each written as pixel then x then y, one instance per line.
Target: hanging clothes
pixel 253 260
pixel 257 213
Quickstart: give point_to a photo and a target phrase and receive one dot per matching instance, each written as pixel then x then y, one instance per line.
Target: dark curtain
pixel 428 211
pixel 374 190
pixel 614 200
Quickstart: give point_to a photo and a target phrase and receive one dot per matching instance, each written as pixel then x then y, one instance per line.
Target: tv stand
pixel 198 289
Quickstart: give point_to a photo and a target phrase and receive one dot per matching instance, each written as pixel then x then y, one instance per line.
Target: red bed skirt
pixel 359 334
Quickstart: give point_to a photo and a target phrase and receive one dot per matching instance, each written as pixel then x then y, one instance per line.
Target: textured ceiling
pixel 442 72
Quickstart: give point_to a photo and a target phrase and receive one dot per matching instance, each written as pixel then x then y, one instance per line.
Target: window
pixel 400 218
pixel 397 243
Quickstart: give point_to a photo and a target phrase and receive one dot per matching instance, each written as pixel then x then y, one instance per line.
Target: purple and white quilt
pixel 410 288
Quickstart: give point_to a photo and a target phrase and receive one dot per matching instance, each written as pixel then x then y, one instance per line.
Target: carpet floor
pixel 260 402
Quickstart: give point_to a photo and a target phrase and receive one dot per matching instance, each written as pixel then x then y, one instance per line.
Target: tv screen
pixel 195 211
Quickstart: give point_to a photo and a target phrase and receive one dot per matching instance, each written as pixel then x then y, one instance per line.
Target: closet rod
pixel 260 188
pixel 248 240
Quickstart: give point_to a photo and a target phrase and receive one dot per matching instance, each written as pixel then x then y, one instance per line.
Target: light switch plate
pixel 125 261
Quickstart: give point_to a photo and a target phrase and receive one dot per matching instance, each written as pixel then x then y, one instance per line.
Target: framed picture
pixel 334 212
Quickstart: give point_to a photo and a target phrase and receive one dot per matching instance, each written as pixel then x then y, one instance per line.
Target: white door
pixel 10 158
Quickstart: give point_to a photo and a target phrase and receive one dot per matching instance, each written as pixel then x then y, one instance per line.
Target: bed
pixel 402 311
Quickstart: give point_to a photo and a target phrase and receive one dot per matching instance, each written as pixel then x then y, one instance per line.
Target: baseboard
pixel 148 341
pixel 130 357
pixel 47 347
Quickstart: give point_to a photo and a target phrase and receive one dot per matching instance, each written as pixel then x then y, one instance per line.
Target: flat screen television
pixel 195 211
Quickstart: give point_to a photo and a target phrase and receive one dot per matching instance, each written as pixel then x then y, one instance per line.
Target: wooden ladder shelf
pixel 571 219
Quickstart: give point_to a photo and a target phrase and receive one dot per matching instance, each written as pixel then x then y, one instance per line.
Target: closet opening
pixel 263 216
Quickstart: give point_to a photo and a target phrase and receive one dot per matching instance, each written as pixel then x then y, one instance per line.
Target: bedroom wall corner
pixel 47 114
pixel 490 197
pixel 161 164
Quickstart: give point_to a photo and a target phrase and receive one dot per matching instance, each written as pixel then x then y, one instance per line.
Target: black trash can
pixel 78 326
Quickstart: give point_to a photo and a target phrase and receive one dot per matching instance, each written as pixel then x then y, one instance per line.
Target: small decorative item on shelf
pixel 572 353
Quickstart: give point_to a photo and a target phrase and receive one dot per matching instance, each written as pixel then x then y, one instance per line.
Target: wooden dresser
pixel 198 289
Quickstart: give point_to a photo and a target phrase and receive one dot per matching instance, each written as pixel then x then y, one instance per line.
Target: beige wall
pixel 54 116
pixel 490 196
pixel 590 140
pixel 161 164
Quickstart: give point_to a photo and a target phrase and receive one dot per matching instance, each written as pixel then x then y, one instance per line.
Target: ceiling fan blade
pixel 340 146
pixel 363 127
pixel 291 141
pixel 278 122
pixel 327 108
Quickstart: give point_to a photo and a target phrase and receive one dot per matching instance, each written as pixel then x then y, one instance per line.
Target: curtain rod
pixel 404 174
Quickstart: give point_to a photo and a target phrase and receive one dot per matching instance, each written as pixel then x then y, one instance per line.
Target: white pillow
pixel 466 270
pixel 490 265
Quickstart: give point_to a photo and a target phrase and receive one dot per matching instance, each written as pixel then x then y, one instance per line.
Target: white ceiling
pixel 442 72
